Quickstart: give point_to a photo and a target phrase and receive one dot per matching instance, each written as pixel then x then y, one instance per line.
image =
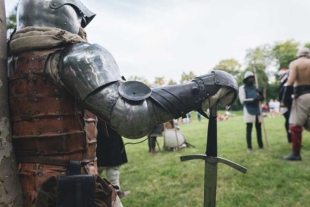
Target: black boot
pixel 294 156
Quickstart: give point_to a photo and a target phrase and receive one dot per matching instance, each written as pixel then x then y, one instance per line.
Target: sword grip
pixel 211 149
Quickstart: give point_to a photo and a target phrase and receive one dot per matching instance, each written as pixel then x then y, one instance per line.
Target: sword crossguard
pixel 214 160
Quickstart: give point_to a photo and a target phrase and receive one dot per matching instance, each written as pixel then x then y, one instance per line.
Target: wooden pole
pixel 263 123
pixel 10 189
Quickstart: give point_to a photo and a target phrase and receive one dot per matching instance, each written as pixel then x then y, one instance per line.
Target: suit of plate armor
pixel 55 92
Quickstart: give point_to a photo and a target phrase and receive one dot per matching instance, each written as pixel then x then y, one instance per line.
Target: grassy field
pixel 162 180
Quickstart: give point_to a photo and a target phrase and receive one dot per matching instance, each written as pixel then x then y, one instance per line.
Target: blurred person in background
pixel 298 84
pixel 285 110
pixel 152 138
pixel 250 97
pixel 271 108
pixel 111 154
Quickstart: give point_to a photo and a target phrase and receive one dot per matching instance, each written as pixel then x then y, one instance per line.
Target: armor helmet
pixel 248 74
pixel 303 52
pixel 68 15
pixel 282 72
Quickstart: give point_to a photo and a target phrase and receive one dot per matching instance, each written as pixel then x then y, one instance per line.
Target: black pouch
pixel 74 189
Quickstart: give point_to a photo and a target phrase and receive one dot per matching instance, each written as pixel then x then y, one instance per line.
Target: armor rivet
pixel 36 112
pixel 38 120
pixel 58 118
pixel 62 173
pixel 57 112
pixel 41 71
pixel 59 132
pixel 34 78
pixel 29 71
pixel 32 58
pixel 40 167
pixel 35 99
pixel 56 90
pixel 38 133
pixel 40 174
pixel 35 92
pixel 195 90
pixel 57 98
pixel 34 70
pixel 44 78
pixel 217 81
pixel 34 174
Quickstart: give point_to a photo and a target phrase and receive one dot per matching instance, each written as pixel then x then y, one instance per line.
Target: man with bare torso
pixel 298 84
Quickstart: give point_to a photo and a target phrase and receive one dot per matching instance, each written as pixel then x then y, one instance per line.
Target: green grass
pixel 162 180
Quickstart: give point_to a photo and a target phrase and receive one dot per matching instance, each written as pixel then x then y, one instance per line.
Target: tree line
pixel 268 60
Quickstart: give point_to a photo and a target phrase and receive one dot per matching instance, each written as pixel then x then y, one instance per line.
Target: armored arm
pixel 90 73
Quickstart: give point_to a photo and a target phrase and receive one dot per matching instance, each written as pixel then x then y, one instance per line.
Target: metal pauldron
pixel 86 67
pixel 87 14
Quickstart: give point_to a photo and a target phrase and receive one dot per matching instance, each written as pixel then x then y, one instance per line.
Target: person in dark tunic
pixel 250 97
pixel 111 155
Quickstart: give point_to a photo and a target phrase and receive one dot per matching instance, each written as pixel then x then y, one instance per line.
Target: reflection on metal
pixel 86 67
pixel 211 161
pixel 134 91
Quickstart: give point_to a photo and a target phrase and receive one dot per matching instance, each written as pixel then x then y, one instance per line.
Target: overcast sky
pixel 167 37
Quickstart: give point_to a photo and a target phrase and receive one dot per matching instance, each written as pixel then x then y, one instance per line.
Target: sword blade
pixel 210 184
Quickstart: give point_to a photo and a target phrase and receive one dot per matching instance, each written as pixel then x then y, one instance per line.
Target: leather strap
pixel 74 167
pixel 51 161
pixel 300 90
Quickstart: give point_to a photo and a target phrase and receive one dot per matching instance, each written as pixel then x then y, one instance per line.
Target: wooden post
pixel 263 123
pixel 10 190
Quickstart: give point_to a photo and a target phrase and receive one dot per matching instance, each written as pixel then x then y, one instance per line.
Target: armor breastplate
pixel 47 123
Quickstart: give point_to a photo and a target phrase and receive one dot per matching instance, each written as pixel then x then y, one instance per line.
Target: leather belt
pixel 300 90
pixel 51 161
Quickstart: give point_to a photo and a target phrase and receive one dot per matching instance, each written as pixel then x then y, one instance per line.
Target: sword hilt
pixel 213 160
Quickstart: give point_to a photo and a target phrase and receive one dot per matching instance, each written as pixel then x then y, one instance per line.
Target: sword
pixel 211 160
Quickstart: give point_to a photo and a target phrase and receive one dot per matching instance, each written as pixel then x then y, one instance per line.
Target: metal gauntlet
pixel 181 99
